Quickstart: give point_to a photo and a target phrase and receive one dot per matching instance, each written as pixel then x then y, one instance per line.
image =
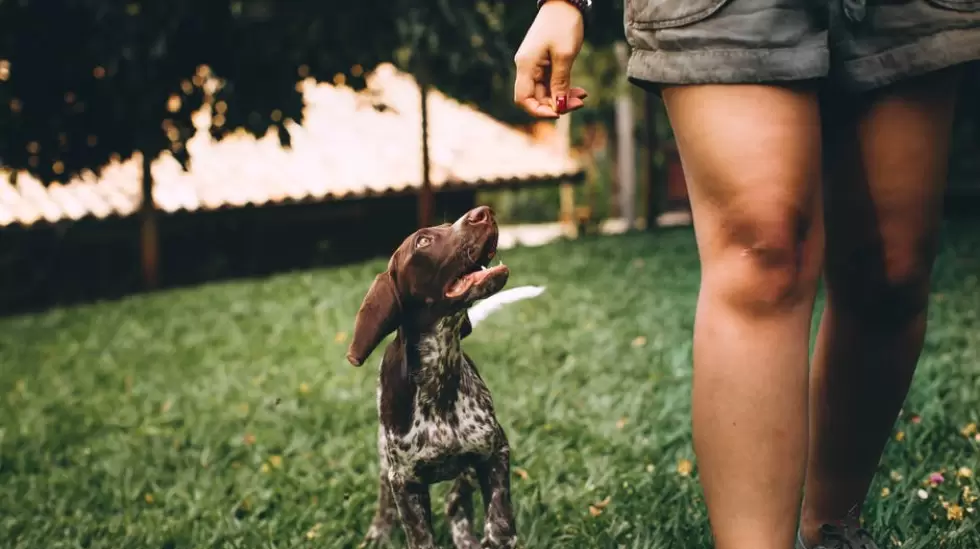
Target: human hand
pixel 544 62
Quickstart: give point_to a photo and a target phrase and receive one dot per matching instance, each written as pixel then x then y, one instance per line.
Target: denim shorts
pixel 857 44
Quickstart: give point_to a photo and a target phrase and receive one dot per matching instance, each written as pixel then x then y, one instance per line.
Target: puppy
pixel 437 420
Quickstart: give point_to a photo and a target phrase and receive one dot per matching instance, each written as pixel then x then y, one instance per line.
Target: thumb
pixel 561 76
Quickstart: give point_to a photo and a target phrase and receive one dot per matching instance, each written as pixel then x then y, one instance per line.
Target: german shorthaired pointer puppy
pixel 436 413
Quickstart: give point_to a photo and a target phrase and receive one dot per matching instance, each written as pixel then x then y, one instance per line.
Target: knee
pixel 883 281
pixel 764 262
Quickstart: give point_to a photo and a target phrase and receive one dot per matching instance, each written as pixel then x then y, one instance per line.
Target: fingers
pixel 530 89
pixel 537 102
pixel 543 96
pixel 573 104
pixel 561 80
pixel 575 100
pixel 538 109
pixel 536 93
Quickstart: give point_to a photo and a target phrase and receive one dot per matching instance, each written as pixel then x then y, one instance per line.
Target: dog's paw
pixel 503 542
pixel 376 538
pixel 465 540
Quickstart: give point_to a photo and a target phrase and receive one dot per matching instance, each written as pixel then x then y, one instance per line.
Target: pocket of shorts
pixel 956 5
pixel 665 14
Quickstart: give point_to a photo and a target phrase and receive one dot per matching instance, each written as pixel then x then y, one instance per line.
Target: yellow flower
pixel 954 512
pixel 304 388
pixel 148 497
pixel 596 508
pixel 896 476
pixel 900 436
pixel 275 461
pixel 264 468
pixel 885 492
pixel 969 430
pixel 969 496
pixel 684 467
pixel 964 472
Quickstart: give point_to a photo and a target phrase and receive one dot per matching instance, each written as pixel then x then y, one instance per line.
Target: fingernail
pixel 562 103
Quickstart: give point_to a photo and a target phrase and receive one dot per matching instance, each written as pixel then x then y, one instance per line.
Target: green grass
pixel 226 415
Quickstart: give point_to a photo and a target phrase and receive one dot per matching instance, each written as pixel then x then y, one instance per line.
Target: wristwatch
pixel 584 6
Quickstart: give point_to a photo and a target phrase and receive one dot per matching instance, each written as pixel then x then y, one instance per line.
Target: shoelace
pixel 841 537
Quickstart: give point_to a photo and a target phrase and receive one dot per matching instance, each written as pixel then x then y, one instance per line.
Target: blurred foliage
pixel 82 81
pixel 597 70
pixel 965 160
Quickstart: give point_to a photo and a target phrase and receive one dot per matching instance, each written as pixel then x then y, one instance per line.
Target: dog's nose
pixel 480 215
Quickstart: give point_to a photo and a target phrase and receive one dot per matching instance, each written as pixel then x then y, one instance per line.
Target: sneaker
pixel 840 536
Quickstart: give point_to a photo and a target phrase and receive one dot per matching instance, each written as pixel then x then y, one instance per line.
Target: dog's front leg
pixel 499 529
pixel 415 511
pixel 384 517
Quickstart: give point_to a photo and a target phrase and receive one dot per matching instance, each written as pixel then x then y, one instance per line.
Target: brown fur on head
pixel 435 272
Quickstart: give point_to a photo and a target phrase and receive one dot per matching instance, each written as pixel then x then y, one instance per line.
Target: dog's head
pixel 436 272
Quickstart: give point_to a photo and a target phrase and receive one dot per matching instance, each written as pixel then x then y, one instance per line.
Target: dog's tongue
pixel 459 286
pixel 473 279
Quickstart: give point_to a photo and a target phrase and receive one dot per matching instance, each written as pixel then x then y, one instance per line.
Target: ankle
pixel 811 525
pixel 809 536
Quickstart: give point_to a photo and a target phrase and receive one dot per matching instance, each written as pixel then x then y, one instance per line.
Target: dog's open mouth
pixel 478 273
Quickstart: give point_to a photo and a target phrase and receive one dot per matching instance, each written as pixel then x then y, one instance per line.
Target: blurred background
pixel 194 196
pixel 151 145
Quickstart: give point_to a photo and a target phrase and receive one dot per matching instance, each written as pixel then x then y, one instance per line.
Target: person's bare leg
pixel 886 171
pixel 751 156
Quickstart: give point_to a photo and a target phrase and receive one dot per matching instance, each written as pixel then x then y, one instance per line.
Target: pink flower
pixel 936 479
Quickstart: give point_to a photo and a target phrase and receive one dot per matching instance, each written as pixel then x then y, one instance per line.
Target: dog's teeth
pixel 483 267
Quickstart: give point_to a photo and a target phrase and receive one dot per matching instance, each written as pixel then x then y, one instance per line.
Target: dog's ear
pixel 377 317
pixel 466 328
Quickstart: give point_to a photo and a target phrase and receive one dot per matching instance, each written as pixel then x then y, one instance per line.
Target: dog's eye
pixel 422 242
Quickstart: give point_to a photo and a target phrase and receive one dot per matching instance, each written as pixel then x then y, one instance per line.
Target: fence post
pixel 149 235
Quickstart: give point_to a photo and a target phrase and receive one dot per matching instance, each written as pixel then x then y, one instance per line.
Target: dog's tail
pixel 483 309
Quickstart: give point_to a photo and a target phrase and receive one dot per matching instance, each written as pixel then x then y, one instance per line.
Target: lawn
pixel 226 415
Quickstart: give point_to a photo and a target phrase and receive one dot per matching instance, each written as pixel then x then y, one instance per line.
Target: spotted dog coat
pixel 437 420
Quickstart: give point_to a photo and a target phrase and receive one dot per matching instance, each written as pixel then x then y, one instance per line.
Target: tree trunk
pixel 612 156
pixel 426 199
pixel 626 145
pixel 149 237
pixel 566 191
